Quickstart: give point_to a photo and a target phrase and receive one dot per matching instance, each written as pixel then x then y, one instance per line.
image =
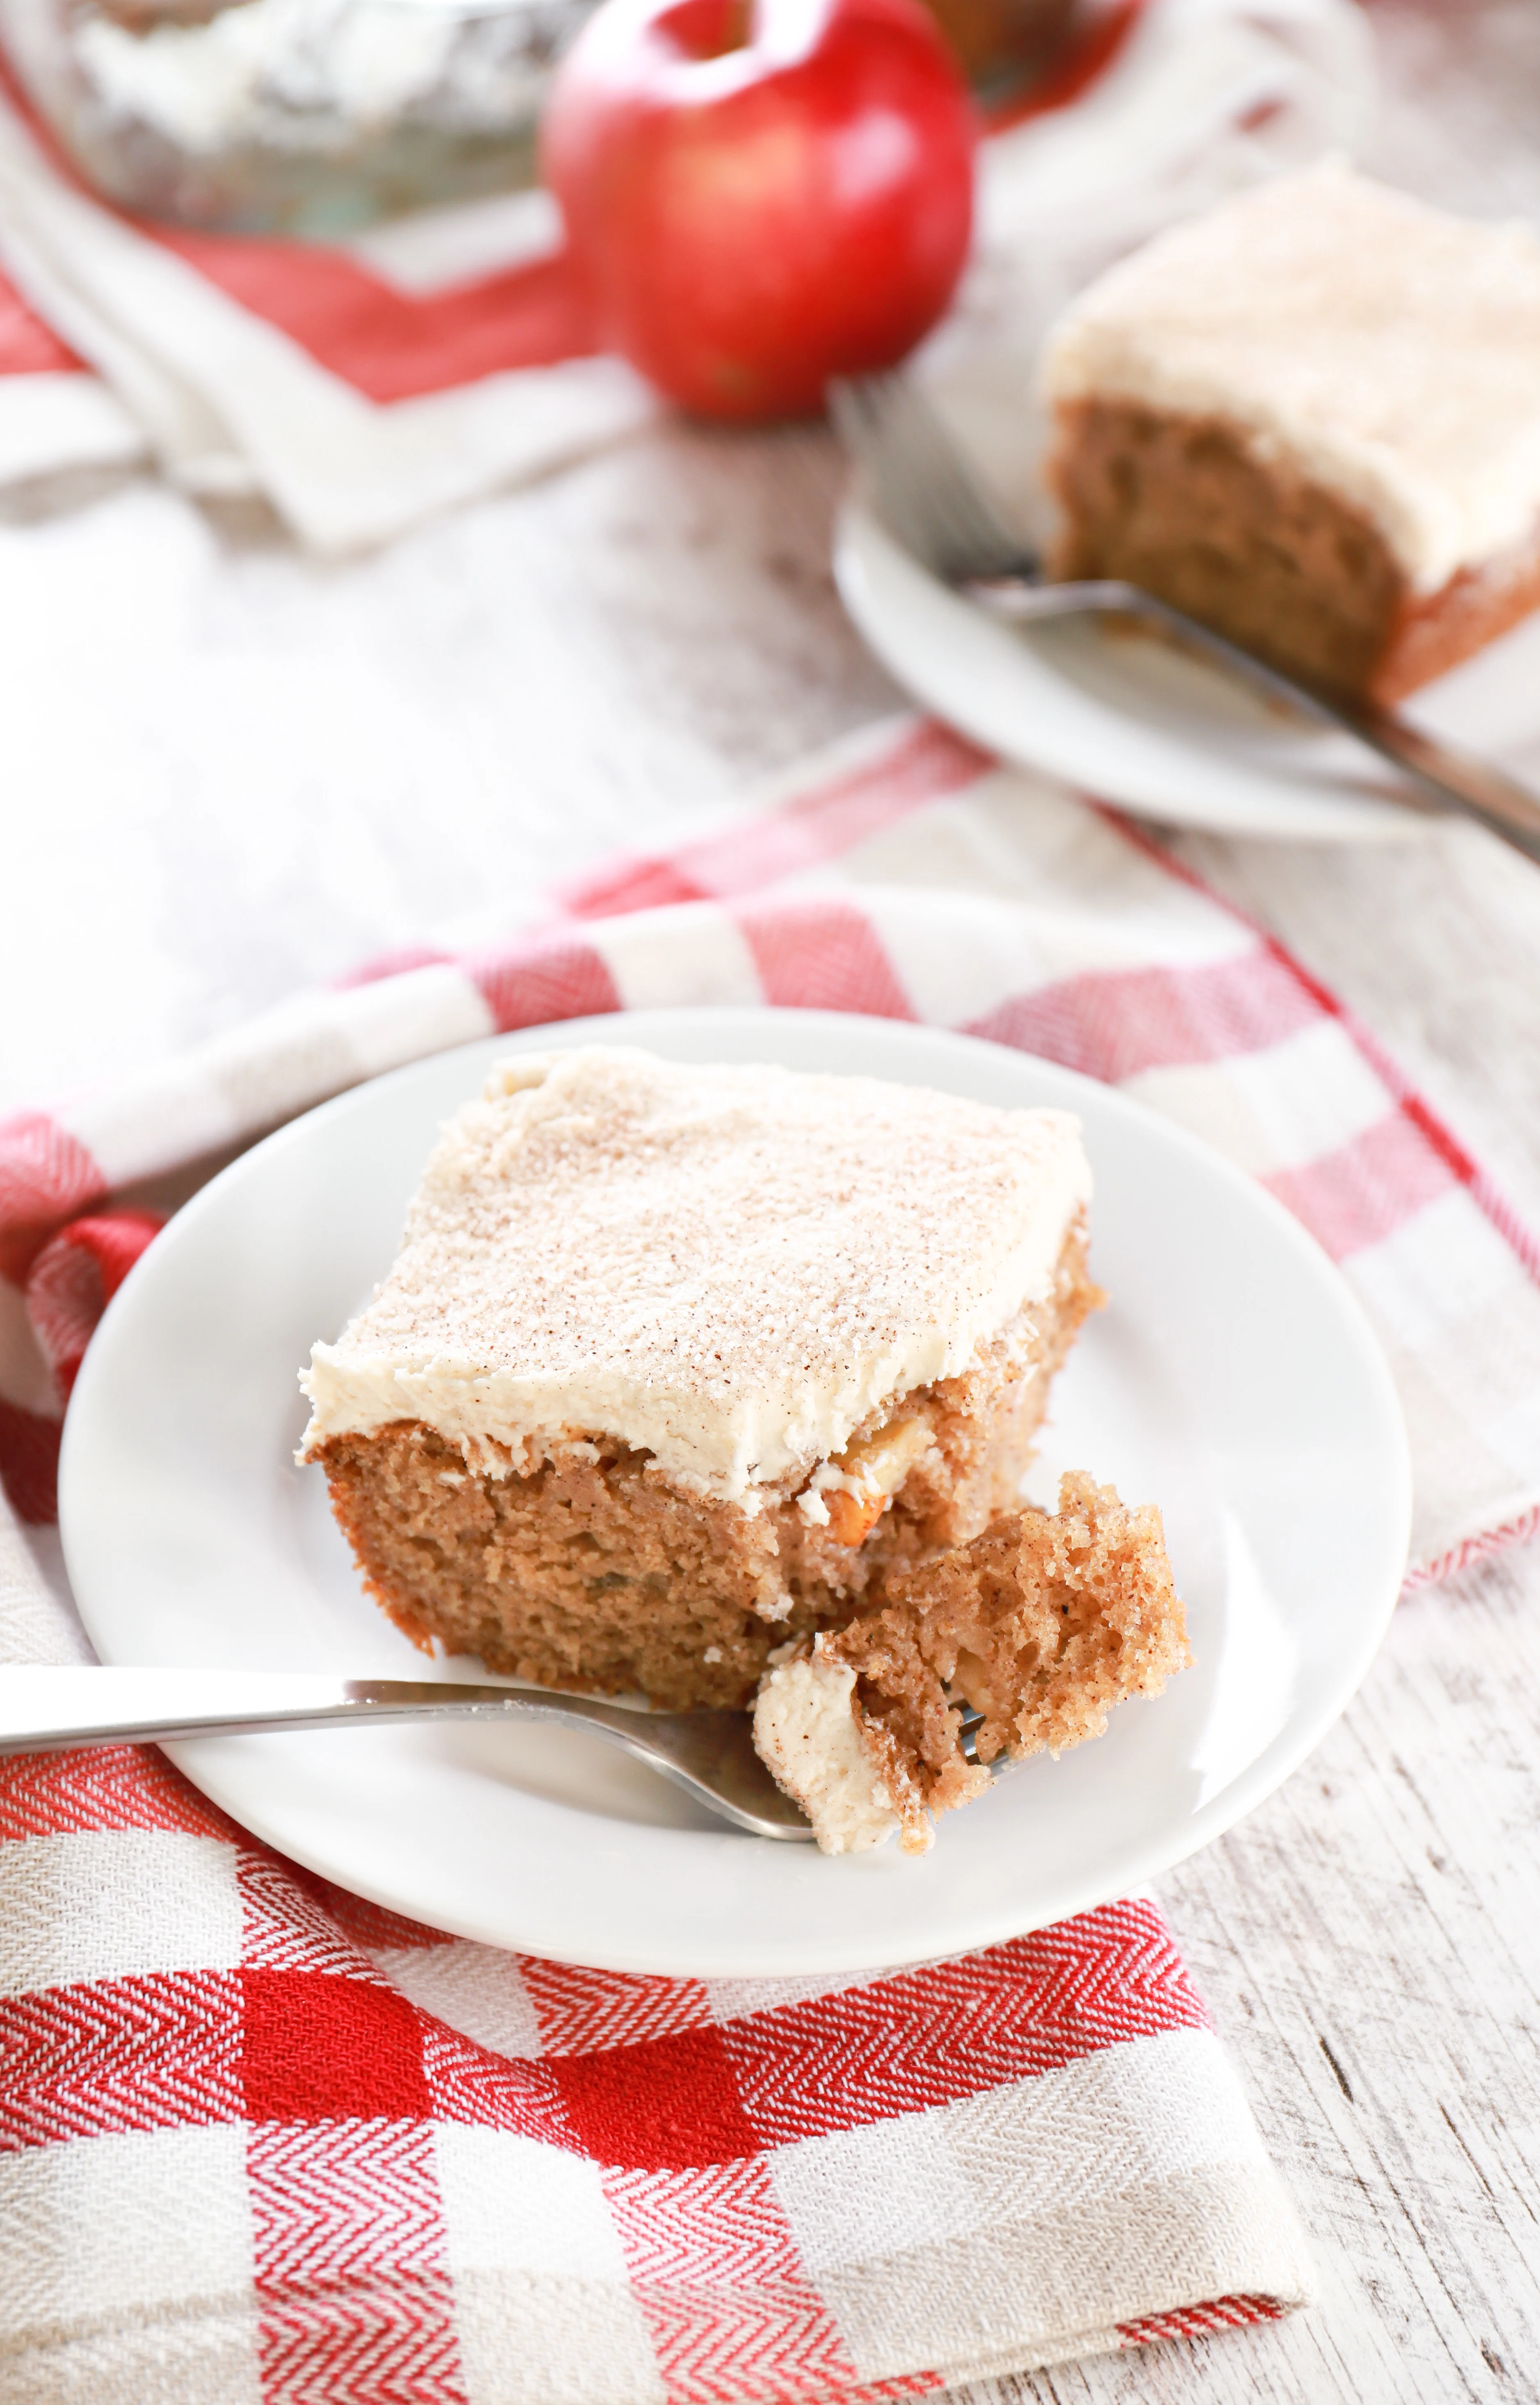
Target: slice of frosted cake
pixel 676 1363
pixel 1311 418
pixel 1042 1625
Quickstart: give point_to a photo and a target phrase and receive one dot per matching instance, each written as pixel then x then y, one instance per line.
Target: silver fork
pixel 970 1722
pixel 933 504
pixel 709 1754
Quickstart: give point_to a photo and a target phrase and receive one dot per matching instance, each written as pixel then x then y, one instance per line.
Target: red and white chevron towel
pixel 360 386
pixel 263 2145
pixel 262 2142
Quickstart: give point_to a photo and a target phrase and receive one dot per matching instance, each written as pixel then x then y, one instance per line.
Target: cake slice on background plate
pixel 1312 420
pixel 1042 1625
pixel 676 1363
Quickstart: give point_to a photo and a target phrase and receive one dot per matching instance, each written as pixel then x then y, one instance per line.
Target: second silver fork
pixel 931 502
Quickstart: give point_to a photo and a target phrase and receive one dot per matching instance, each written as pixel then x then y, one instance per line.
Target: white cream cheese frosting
pixel 728 1267
pixel 806 1734
pixel 1388 352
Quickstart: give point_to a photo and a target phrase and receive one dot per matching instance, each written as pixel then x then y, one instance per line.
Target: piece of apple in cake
pixel 1042 1625
pixel 678 1362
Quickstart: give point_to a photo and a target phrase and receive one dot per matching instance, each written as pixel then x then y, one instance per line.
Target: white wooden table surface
pixel 230 772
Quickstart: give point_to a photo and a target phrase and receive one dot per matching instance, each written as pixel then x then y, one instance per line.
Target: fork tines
pixel 969 1724
pixel 921 489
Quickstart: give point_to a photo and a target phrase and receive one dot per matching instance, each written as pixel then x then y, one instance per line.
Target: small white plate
pixel 1137 723
pixel 1233 1380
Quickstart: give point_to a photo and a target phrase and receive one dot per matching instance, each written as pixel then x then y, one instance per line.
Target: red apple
pixel 759 205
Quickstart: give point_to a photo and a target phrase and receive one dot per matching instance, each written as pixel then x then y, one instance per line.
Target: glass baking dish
pixel 305 117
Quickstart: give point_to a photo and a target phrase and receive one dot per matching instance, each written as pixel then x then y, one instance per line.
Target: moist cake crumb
pixel 1042 1625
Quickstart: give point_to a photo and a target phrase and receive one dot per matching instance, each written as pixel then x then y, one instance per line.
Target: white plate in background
pixel 1132 720
pixel 1233 1380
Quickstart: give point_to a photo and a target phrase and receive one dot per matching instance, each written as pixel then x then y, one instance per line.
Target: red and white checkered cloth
pixel 360 386
pixel 263 2141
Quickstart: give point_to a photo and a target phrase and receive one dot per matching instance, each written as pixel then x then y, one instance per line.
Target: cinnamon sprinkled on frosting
pixel 729 1268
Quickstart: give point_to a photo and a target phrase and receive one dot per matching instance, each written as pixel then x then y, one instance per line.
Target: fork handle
pixel 44 1708
pixel 710 1754
pixel 1442 776
pixel 1474 787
